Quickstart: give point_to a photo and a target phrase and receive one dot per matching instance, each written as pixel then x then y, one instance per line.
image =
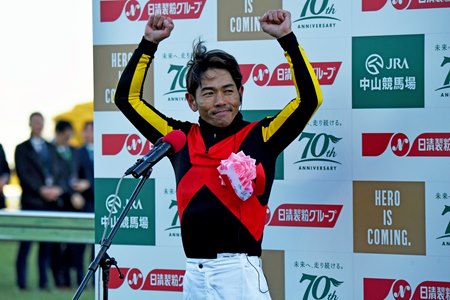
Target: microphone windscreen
pixel 176 138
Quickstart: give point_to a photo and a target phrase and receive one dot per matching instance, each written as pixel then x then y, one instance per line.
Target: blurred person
pixel 5 173
pixel 73 256
pixel 86 172
pixel 62 254
pixel 70 160
pixel 86 168
pixel 68 154
pixel 43 189
pixel 221 229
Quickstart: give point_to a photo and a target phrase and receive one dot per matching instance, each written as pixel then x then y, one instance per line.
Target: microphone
pixel 169 144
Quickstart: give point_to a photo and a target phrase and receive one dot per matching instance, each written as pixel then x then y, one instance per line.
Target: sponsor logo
pixel 319 152
pixel 113 144
pixel 388 71
pixel 131 221
pixel 320 287
pixel 445 213
pixel 164 280
pixel 260 74
pixel 374 5
pixel 446 85
pixel 389 217
pixel 306 215
pixel 317 14
pixel 135 10
pixel 314 282
pixel 113 204
pixel 174 228
pixel 175 220
pixel 426 144
pixel 178 85
pixel 326 73
pixel 375 64
pixel 400 289
pixel 137 227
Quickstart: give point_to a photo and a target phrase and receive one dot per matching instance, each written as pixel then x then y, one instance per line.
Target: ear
pixel 191 101
pixel 241 93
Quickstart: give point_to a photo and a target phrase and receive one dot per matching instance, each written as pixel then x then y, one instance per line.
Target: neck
pixel 212 134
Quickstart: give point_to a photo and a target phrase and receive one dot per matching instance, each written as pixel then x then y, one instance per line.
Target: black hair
pixel 62 126
pixel 202 60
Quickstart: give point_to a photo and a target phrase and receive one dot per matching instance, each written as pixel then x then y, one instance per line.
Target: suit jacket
pixel 32 172
pixel 4 170
pixel 69 162
pixel 86 171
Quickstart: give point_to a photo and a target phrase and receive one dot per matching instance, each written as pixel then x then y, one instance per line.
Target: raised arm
pixel 128 97
pixel 158 28
pixel 285 127
pixel 276 22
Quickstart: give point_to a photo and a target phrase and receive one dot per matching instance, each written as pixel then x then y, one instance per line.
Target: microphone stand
pixel 102 258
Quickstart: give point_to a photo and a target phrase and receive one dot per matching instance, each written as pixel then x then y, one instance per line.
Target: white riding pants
pixel 231 276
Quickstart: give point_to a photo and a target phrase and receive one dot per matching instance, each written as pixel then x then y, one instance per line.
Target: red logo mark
pixel 111 10
pixel 260 74
pixel 112 144
pixel 306 215
pixel 135 279
pixel 379 288
pixel 426 144
pixel 156 280
pixel 374 5
pixel 401 290
pixel 326 73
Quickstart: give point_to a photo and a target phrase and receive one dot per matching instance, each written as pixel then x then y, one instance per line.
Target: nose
pixel 219 99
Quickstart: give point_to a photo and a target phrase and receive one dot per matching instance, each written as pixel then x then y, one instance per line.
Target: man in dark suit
pixel 66 256
pixel 62 254
pixel 86 166
pixel 85 186
pixel 5 172
pixel 40 176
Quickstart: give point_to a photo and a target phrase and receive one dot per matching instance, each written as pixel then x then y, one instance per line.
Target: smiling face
pixel 217 99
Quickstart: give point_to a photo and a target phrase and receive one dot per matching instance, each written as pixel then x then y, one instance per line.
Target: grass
pixel 8 288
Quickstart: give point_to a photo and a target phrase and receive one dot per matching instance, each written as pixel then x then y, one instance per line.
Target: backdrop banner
pixel 360 206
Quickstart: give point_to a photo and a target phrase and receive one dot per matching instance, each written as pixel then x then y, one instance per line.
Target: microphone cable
pixel 110 208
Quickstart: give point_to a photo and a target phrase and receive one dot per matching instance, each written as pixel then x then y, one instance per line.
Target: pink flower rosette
pixel 240 169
